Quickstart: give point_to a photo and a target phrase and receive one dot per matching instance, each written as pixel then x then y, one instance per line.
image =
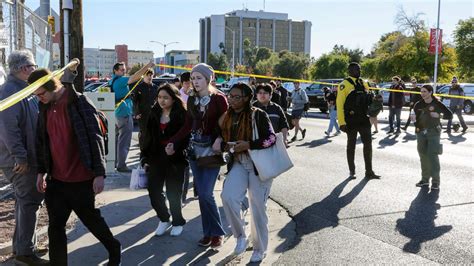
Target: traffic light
pixel 51 23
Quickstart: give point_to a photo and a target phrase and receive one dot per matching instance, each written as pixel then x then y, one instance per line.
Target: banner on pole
pixel 432 47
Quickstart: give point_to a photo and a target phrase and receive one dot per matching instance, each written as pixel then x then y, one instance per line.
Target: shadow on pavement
pixel 389 140
pixel 419 222
pixel 455 139
pixel 322 214
pixel 315 143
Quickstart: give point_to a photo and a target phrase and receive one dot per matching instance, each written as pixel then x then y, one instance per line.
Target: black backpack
pixel 357 104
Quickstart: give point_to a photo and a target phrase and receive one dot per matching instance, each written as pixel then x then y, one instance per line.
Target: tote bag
pixel 138 179
pixel 272 161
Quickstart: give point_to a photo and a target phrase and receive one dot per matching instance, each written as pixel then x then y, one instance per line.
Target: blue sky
pixel 352 23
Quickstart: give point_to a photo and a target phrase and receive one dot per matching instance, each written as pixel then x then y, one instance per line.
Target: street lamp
pixel 233 49
pixel 164 49
pixel 435 76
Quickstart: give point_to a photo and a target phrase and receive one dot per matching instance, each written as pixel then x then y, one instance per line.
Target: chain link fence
pixel 20 27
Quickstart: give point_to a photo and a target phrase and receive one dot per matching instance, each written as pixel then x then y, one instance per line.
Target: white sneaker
pixel 257 256
pixel 241 245
pixel 176 230
pixel 162 228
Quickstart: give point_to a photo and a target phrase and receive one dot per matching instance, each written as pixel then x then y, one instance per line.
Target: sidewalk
pixel 133 222
pixel 383 116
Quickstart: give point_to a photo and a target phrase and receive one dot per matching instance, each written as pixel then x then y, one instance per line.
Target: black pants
pixel 409 118
pixel 173 176
pixel 61 198
pixel 366 137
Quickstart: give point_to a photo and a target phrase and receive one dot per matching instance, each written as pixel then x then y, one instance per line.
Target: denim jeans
pixel 205 180
pixel 392 112
pixel 333 120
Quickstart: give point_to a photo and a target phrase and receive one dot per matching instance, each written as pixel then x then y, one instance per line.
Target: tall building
pixel 263 29
pixel 181 58
pixel 98 62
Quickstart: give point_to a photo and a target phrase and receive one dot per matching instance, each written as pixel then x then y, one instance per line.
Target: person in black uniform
pixel 428 131
pixel 414 98
pixel 144 97
pixel 353 100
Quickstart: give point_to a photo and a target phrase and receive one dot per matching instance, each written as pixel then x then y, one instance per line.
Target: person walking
pixel 374 109
pixel 331 100
pixel 414 98
pixel 205 106
pixel 353 99
pixel 123 113
pixel 143 98
pixel 298 100
pixel 456 105
pixel 427 114
pixel 18 156
pixel 71 164
pixel 166 118
pixel 237 135
pixel 283 95
pixel 396 101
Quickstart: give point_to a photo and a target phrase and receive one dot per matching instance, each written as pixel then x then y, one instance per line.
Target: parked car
pixel 316 94
pixel 468 91
pixel 92 87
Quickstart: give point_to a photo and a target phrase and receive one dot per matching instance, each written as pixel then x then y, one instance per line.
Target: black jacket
pixel 283 95
pixel 85 124
pixel 396 99
pixel 152 150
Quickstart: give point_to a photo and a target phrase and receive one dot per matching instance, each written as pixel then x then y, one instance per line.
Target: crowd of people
pixel 52 148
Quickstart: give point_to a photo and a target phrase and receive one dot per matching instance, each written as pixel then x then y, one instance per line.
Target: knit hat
pixel 206 70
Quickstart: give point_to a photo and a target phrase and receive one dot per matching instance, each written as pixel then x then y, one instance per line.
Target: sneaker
pixel 303 133
pixel 390 131
pixel 434 186
pixel 352 176
pixel 124 169
pixel 176 230
pixel 162 228
pixel 216 242
pixel 257 256
pixel 464 129
pixel 293 138
pixel 241 245
pixel 398 131
pixel 447 131
pixel 371 175
pixel 205 241
pixel 456 127
pixel 422 184
pixel 115 257
pixel 375 132
pixel 327 133
pixel 338 132
pixel 30 260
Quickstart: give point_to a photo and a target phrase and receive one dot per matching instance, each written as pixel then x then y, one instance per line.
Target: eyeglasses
pixel 34 66
pixel 234 97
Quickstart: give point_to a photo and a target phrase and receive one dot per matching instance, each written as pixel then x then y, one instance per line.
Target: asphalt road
pixel 378 221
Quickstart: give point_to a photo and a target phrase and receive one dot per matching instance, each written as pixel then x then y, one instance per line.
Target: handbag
pixel 205 156
pixel 138 178
pixel 272 161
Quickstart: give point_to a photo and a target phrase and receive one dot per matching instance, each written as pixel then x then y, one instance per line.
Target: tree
pixel 291 65
pixel 250 53
pixel 218 61
pixel 135 68
pixel 263 53
pixel 332 65
pixel 464 40
pixel 265 67
pixel 354 55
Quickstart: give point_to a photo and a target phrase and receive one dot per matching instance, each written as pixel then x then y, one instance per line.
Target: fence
pixel 20 27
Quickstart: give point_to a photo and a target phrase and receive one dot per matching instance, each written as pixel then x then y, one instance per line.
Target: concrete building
pixel 263 29
pixel 181 58
pixel 99 61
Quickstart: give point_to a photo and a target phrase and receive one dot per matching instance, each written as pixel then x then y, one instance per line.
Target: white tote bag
pixel 138 179
pixel 272 161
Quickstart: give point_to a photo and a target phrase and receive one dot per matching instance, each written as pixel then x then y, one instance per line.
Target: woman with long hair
pixel 205 105
pixel 166 118
pixel 428 133
pixel 237 138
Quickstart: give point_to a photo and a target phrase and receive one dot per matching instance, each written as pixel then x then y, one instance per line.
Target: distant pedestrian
pixel 276 95
pixel 374 109
pixel 414 98
pixel 331 100
pixel 456 104
pixel 123 113
pixel 428 133
pixel 18 156
pixel 396 100
pixel 242 177
pixel 353 100
pixel 185 86
pixel 144 97
pixel 205 106
pixel 71 164
pixel 283 95
pixel 298 101
pixel 166 119
pixel 177 83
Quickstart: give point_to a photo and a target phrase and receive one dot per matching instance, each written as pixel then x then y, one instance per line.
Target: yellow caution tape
pixel 17 97
pixel 309 81
pixel 130 92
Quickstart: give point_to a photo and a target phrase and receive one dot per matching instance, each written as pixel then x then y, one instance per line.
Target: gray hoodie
pixel 298 99
pixel 18 126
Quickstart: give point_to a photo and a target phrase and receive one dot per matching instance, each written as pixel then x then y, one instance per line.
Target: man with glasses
pixel 18 156
pixel 123 113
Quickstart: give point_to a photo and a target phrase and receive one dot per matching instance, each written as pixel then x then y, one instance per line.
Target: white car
pixel 468 91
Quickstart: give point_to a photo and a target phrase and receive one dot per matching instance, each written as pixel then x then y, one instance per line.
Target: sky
pixel 352 23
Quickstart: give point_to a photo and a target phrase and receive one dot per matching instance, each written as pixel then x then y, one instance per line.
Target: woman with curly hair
pixel 237 138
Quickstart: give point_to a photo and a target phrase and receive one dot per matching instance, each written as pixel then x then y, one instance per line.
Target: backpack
pixel 357 104
pixel 104 129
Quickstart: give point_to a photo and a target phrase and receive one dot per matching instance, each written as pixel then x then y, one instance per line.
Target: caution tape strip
pixel 130 92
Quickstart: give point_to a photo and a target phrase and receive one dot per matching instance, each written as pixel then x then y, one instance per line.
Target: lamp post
pixel 233 50
pixel 164 49
pixel 436 48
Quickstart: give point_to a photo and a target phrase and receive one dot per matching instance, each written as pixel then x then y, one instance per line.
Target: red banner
pixel 432 48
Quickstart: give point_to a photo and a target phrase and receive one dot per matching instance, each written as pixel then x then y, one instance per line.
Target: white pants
pixel 240 179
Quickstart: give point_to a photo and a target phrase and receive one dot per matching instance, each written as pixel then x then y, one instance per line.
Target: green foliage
pixel 464 40
pixel 218 61
pixel 333 65
pixel 291 65
pixel 265 66
pixel 135 68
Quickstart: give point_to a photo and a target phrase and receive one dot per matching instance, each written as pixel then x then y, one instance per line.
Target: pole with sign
pixel 437 46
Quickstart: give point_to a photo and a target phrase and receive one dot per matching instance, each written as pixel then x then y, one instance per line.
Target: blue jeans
pixel 392 112
pixel 205 180
pixel 333 120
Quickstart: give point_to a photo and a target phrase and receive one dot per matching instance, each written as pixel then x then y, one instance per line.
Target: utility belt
pixel 425 131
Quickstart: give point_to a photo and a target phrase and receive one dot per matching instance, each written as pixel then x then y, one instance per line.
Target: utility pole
pixel 435 78
pixel 2 33
pixel 72 38
pixel 20 23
